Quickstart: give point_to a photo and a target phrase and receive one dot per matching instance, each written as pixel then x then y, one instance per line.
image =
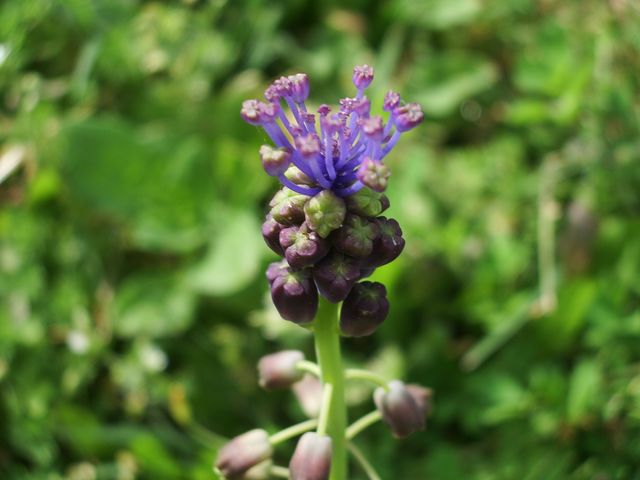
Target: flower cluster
pixel 326 220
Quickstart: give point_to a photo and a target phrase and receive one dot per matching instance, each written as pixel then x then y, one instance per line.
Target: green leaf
pixel 584 391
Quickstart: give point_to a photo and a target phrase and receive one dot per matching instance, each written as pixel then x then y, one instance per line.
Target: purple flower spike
pixel 335 275
pixel 302 247
pixel 331 151
pixel 243 453
pixel 278 370
pixel 362 76
pixel 374 174
pixel 408 116
pixel 400 410
pixel 388 245
pixel 275 160
pixel 364 309
pixel 355 237
pixel 312 458
pixel 271 234
pixel 295 296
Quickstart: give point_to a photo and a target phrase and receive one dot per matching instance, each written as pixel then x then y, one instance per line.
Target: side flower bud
pixel 278 370
pixel 399 409
pixel 335 275
pixel 275 161
pixel 408 116
pixel 298 177
pixel 312 458
pixel 271 234
pixel 287 207
pixel 356 236
pixel 295 296
pixel 367 203
pixel 243 453
pixel 325 212
pixel 362 76
pixel 302 246
pixel 388 245
pixel 374 174
pixel 364 309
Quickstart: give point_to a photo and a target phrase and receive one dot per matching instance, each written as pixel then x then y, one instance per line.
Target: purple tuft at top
pixel 331 150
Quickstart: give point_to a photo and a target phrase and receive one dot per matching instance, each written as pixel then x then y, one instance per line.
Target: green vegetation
pixel 133 303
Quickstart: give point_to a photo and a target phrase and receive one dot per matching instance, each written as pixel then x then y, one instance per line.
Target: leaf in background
pixel 437 14
pixel 584 391
pixel 234 256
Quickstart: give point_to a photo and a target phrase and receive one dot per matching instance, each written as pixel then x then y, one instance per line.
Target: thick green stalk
pixel 327 338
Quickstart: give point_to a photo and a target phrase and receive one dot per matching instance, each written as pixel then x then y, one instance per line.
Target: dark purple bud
pixel 325 212
pixel 408 116
pixel 399 409
pixel 271 234
pixel 308 391
pixel 422 396
pixel 243 453
pixel 295 296
pixel 366 272
pixel 374 174
pixel 278 370
pixel 387 245
pixel 356 236
pixel 335 275
pixel 277 269
pixel 308 145
pixel 302 246
pixel 367 203
pixel 372 127
pixel 362 76
pixel 298 177
pixel 364 309
pixel 312 458
pixel 299 85
pixel 275 161
pixel 287 207
pixel 391 101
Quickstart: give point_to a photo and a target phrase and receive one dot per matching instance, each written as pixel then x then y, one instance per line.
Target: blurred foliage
pixel 133 305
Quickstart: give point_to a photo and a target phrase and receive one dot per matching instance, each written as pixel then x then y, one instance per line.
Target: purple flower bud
pixel 408 116
pixel 299 87
pixel 308 391
pixel 399 409
pixel 422 396
pixel 287 207
pixel 372 127
pixel 271 234
pixel 356 236
pixel 364 309
pixel 302 246
pixel 366 272
pixel 391 101
pixel 312 458
pixel 362 76
pixel 324 110
pixel 250 112
pixel 278 370
pixel 298 177
pixel 276 269
pixel 242 453
pixel 308 145
pixel 388 245
pixel 335 275
pixel 295 296
pixel 325 212
pixel 274 160
pixel 374 174
pixel 367 203
pixel 361 106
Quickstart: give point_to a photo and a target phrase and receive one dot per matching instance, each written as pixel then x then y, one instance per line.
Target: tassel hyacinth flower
pixel 326 224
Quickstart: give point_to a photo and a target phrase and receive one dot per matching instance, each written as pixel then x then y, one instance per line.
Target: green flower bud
pixel 287 207
pixel 367 203
pixel 298 177
pixel 325 212
pixel 355 237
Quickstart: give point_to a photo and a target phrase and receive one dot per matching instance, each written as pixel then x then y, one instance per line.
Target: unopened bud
pixel 362 76
pixel 335 275
pixel 399 409
pixel 408 116
pixel 356 236
pixel 308 391
pixel 374 174
pixel 277 269
pixel 278 370
pixel 387 245
pixel 275 161
pixel 302 246
pixel 243 453
pixel 312 458
pixel 298 177
pixel 287 207
pixel 271 234
pixel 295 296
pixel 364 309
pixel 367 203
pixel 325 212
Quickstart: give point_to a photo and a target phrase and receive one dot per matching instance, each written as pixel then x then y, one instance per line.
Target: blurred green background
pixel 133 304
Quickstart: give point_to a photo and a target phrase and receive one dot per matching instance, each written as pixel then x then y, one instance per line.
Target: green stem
pixel 327 339
pixel 308 367
pixel 293 431
pixel 357 374
pixel 362 423
pixel 364 463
